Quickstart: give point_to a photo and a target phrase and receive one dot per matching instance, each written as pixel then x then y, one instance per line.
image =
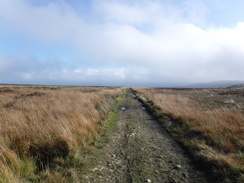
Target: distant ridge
pixel 216 84
pixel 238 86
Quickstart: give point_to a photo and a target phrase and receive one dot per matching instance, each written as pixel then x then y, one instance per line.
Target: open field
pixel 208 122
pixel 43 129
pixel 79 134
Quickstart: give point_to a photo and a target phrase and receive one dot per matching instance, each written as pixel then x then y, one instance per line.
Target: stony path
pixel 139 150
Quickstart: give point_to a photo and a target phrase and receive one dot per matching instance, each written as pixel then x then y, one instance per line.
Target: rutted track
pixel 139 150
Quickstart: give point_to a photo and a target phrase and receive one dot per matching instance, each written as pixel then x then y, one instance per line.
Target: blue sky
pixel 121 42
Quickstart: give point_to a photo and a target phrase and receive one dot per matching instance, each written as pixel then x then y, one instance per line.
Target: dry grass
pixel 41 124
pixel 210 122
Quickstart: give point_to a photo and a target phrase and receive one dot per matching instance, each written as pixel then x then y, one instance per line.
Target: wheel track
pixel 139 150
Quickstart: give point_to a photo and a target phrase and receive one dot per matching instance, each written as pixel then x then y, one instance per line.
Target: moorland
pixel 50 133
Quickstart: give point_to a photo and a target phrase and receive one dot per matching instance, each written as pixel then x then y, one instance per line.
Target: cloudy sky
pixel 121 42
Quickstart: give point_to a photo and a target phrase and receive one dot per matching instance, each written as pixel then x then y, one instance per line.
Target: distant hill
pixel 216 84
pixel 237 86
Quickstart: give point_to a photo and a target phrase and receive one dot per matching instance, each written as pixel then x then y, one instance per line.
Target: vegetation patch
pixel 44 131
pixel 211 131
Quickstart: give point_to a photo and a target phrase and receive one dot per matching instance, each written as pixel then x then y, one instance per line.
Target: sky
pixel 121 42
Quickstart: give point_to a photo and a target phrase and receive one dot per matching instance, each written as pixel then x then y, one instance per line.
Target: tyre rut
pixel 140 150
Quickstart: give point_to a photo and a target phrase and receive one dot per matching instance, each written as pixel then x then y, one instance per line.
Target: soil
pixel 140 150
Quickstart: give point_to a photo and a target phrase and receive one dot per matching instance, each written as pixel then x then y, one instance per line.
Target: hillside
pixel 215 84
pixel 238 86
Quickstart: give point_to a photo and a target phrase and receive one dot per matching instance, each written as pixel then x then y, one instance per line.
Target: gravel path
pixel 139 150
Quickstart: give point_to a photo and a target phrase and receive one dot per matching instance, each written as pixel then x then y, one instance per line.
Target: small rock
pixel 177 167
pixel 229 101
pixel 123 108
pixel 132 134
pixel 148 180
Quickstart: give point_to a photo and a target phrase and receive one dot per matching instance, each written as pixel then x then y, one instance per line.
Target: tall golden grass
pixel 216 132
pixel 39 124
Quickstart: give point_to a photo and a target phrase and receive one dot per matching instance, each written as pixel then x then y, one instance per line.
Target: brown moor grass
pixel 204 121
pixel 43 123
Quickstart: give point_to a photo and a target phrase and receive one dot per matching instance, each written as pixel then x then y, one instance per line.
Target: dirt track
pixel 139 150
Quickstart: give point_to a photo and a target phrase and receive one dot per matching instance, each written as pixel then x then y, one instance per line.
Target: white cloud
pixel 144 41
pixel 132 14
pixel 194 12
pixel 56 21
pixel 231 37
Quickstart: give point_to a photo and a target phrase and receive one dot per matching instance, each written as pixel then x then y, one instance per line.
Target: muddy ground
pixel 140 150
